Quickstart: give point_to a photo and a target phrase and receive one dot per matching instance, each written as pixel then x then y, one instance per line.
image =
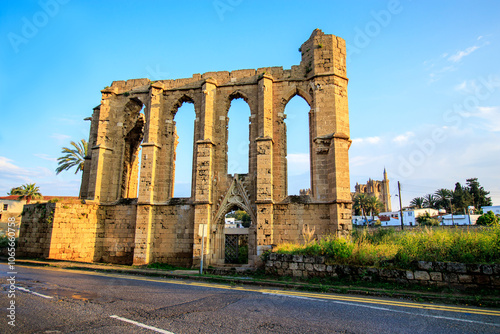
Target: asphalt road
pixel 50 300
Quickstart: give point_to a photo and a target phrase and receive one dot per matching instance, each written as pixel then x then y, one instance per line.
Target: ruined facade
pixel 139 113
pixel 379 189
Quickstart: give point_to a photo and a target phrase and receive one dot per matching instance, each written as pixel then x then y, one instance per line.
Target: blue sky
pixel 424 89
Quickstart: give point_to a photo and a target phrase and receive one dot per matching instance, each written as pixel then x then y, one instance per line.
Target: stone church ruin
pixel 128 213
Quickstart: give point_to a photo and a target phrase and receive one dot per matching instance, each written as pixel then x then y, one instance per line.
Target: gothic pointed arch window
pixel 238 134
pixel 184 122
pixel 298 146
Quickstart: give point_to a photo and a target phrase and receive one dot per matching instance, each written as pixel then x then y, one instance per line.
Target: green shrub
pixel 427 220
pixel 487 219
pixel 401 248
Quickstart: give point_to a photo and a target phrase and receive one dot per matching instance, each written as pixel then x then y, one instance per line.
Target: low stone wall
pixel 78 232
pixel 456 275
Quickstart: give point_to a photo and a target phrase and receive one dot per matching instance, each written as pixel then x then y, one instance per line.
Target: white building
pixel 10 208
pixel 495 209
pixel 360 220
pixel 459 219
pixel 409 217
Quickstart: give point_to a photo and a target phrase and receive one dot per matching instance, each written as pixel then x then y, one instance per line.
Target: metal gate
pixel 236 249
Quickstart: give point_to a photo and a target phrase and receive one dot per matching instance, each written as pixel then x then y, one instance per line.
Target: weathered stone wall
pixel 35 234
pixel 174 235
pixel 141 113
pixel 78 232
pixel 290 218
pixel 457 275
pixel 116 236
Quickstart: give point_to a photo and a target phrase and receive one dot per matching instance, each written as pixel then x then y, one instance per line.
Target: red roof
pixel 46 198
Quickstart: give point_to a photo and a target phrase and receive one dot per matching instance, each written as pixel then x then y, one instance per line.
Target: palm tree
pixel 362 203
pixel 429 201
pixel 75 157
pixel 27 191
pixel 443 197
pixel 374 205
pixel 418 202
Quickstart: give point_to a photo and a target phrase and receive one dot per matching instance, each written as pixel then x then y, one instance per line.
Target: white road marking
pixel 387 309
pixel 158 330
pixel 299 297
pixel 33 292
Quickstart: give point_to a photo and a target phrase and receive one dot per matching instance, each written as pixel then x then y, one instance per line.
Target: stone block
pixel 409 275
pixel 482 279
pixel 309 267
pixel 464 278
pixel 293 266
pixel 436 276
pixel 297 273
pixel 424 265
pixel 319 267
pixel 473 268
pixel 421 275
pixel 486 269
pixel 458 268
pixel 309 259
pixel 298 258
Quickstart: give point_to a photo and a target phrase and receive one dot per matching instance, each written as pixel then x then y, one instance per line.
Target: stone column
pixel 151 148
pixel 100 153
pixel 264 147
pixel 202 195
pixel 202 185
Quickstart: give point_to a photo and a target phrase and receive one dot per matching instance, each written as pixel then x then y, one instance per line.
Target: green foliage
pixel 418 202
pixel 364 204
pixel 488 219
pixel 4 242
pixel 456 200
pixel 27 191
pixel 427 220
pixel 401 248
pixel 163 266
pixel 74 157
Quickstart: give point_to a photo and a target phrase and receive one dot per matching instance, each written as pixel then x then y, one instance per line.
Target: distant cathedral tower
pixel 379 189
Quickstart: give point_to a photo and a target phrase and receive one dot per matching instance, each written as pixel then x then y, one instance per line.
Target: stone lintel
pixel 205 141
pixel 100 146
pixel 267 76
pixel 210 81
pixel 110 90
pixel 327 75
pixel 202 202
pixel 150 144
pixel 263 139
pixel 158 85
pixel 264 201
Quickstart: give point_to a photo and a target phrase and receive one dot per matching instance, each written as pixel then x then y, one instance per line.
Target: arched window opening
pixel 183 159
pixel 236 224
pixel 238 136
pixel 297 140
pixel 134 134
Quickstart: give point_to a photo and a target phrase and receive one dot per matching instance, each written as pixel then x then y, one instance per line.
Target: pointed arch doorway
pixel 234 241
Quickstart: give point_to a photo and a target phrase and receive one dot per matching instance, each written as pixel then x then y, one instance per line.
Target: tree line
pixel 457 200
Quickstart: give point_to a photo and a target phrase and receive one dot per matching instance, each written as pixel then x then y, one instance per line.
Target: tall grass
pixel 386 246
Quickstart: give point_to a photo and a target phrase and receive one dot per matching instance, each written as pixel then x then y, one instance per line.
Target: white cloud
pixel 368 140
pixel 404 138
pixel 298 163
pixel 60 137
pixel 45 157
pixel 460 54
pixel 460 153
pixel 485 118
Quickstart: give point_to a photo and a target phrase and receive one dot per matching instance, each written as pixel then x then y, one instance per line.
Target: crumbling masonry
pixel 116 225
